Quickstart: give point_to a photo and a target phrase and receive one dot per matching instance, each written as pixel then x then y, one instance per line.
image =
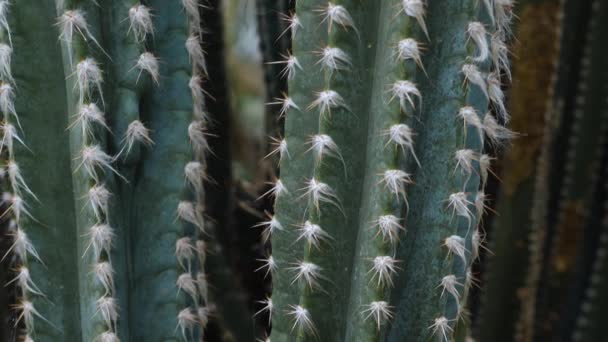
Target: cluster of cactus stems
pixel 343 264
pixel 122 141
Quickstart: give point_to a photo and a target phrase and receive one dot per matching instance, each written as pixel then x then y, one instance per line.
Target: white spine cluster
pixel 379 311
pixel 339 15
pixel 415 9
pixel 291 66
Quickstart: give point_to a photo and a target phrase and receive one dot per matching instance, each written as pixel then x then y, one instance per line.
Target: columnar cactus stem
pixel 18 197
pixel 339 209
pixel 171 105
pixel 92 165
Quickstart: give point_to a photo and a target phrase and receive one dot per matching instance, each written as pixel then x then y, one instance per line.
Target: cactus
pixel 133 146
pixel 343 264
pixel 104 140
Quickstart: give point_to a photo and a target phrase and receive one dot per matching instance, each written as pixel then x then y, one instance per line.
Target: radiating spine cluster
pixel 17 193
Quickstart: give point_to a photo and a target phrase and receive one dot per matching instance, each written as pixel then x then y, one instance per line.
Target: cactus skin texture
pixel 107 185
pixel 344 267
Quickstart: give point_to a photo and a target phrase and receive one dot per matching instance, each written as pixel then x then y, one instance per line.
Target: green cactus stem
pixel 343 264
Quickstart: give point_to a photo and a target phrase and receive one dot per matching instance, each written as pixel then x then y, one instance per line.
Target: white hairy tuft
pixel 326 100
pixel 196 53
pixel 480 203
pixel 101 239
pixel 203 314
pixel 389 227
pixel 477 240
pixel 333 58
pixel 313 234
pixel 107 336
pixel 149 63
pixel 7 101
pixel 22 246
pixel 403 136
pixel 184 251
pixel 4 7
pixel 291 65
pixel 198 97
pixel 339 15
pixel 16 179
pixel 94 158
pixel 497 134
pixel 323 144
pixel 270 226
pixel 108 309
pixel 105 274
pixel 5 62
pixel 395 181
pixel 308 273
pixel 195 175
pixel 477 32
pixel 409 48
pixel 186 283
pixel 16 204
pixel 198 138
pixel 301 319
pixel 187 211
pixel 321 192
pixel 497 97
pixel 383 268
pixel 88 115
pixel 469 116
pixel 140 19
pixel 24 280
pixel 500 54
pixel 379 311
pixel 192 8
pixel 449 284
pixel 74 22
pixel 280 149
pixel 460 205
pixel 474 76
pixel 186 319
pixel 88 79
pixel 269 264
pixel 136 133
pixel 456 246
pixel 405 90
pixel 485 162
pixel 293 24
pixel 99 199
pixel 286 103
pixel 442 329
pixel 415 9
pixel 28 312
pixel 9 135
pixel 464 161
pixel 268 307
pixel 276 190
pixel 503 10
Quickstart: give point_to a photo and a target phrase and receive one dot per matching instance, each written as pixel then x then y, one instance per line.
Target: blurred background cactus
pixel 311 170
